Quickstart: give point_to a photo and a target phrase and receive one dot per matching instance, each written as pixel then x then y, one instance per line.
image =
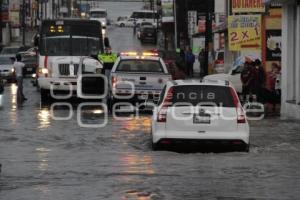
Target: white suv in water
pixel 205 112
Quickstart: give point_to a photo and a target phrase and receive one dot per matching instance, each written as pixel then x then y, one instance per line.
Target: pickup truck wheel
pixel 122 25
pixel 110 105
pixel 154 146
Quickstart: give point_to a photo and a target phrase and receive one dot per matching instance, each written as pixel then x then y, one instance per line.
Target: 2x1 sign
pixel 244 32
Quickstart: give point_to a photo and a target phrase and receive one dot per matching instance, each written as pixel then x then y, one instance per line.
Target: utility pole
pixel 208 37
pixel 23 21
pixel 0 21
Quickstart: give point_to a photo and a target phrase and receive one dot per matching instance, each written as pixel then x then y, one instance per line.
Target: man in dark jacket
pixel 189 60
pixel 201 59
pixel 247 79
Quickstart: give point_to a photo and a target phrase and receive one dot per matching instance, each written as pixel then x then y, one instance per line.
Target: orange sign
pixel 246 6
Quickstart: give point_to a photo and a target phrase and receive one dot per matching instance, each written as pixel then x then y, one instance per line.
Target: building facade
pixel 290 106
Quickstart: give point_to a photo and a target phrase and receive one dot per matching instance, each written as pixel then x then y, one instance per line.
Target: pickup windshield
pixel 140 65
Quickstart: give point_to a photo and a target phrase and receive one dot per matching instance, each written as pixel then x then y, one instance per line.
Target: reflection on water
pixel 42 154
pixel 43 164
pixel 138 123
pixel 44 118
pixel 1 100
pixel 137 164
pixel 13 110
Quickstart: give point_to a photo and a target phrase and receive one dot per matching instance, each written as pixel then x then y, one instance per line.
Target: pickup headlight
pixel 13 70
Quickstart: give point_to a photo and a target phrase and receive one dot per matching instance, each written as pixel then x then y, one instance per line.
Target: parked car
pixel 140 26
pixel 6 68
pixel 233 76
pixel 127 22
pixel 30 64
pixel 148 33
pixel 207 113
pixel 13 50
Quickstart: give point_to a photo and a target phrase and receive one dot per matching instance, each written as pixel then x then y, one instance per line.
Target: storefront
pixel 290 106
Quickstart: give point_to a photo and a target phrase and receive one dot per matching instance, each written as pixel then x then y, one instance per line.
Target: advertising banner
pixel 14 5
pixel 167 11
pixel 272 47
pixel 192 22
pixel 248 6
pixel 244 32
pixel 14 18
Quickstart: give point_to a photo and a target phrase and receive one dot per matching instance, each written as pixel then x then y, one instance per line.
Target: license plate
pixel 143 97
pixel 201 119
pixel 29 69
pixel 149 34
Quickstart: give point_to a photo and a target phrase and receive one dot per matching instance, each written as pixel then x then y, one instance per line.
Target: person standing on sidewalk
pixel 201 59
pixel 18 66
pixel 189 60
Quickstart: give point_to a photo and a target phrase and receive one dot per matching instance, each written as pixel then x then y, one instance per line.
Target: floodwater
pixel 44 158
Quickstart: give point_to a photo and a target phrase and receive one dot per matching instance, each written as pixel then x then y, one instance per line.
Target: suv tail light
pixel 241 118
pixel 219 62
pixel 162 114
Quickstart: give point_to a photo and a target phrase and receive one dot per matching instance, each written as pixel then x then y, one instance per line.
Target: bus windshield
pixel 70 40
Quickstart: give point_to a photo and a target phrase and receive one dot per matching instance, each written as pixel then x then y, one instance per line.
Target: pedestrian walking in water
pixel 18 66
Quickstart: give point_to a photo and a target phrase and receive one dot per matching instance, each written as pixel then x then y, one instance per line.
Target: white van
pixel 145 16
pixel 100 15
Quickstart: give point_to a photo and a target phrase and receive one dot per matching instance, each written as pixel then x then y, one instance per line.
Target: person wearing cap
pixel 18 67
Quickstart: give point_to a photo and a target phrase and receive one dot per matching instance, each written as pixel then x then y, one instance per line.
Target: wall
pixel 290 106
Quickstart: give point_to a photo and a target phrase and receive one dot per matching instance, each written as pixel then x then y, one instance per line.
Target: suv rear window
pixel 202 94
pixel 220 56
pixel 148 30
pixel 139 65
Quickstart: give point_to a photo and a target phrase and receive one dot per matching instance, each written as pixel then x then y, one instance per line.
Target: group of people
pixel 257 83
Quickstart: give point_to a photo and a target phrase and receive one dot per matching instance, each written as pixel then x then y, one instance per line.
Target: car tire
pixel 154 146
pixel 45 96
pixel 110 104
pixel 122 25
pixel 247 148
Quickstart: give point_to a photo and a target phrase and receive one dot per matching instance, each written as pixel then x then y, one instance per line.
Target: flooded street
pixel 44 158
pixel 47 159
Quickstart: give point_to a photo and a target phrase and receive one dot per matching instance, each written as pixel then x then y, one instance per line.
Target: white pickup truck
pixel 137 79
